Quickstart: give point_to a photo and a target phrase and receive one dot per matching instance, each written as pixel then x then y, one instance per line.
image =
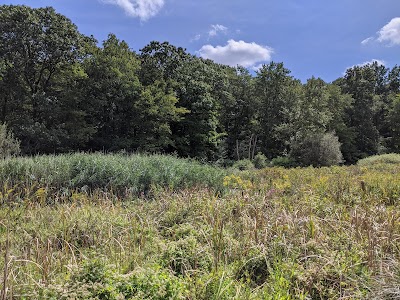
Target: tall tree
pixel 238 115
pixel 161 61
pixel 127 114
pixel 112 87
pixel 198 135
pixel 36 46
pixel 393 120
pixel 361 84
pixel 273 88
pixel 311 111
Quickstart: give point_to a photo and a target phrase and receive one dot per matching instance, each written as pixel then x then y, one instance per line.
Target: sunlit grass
pixel 122 174
pixel 326 233
pixel 391 158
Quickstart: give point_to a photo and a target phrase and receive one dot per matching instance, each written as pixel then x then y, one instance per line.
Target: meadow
pixel 96 226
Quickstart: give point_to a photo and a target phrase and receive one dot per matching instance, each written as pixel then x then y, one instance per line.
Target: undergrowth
pixel 327 233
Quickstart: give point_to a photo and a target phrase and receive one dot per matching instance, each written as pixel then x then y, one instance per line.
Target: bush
pixel 316 149
pixel 283 161
pixel 98 281
pixel 243 164
pixel 9 146
pixel 260 161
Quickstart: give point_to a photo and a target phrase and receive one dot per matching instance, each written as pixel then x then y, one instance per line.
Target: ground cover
pixel 303 233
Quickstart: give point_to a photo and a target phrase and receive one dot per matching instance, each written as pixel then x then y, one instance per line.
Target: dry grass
pixel 329 233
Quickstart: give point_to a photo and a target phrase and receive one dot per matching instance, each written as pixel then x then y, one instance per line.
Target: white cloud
pixel 367 41
pixel 195 38
pixel 215 29
pixel 390 33
pixel 237 53
pixel 143 9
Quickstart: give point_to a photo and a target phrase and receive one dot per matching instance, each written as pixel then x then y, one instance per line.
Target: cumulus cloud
pixel 142 9
pixel 237 53
pixel 215 29
pixel 388 34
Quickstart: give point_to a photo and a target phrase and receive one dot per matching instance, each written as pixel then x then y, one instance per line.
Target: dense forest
pixel 62 92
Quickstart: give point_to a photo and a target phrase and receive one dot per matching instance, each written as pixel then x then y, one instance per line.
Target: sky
pixel 318 38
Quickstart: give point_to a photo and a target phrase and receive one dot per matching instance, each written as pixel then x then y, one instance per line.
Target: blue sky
pixel 311 37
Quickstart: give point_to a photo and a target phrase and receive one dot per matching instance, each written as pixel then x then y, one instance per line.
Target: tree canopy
pixel 60 91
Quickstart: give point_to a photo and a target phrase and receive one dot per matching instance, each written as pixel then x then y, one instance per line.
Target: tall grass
pixel 326 233
pixel 391 158
pixel 116 172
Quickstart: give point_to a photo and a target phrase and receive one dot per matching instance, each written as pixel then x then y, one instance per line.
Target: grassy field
pixel 155 227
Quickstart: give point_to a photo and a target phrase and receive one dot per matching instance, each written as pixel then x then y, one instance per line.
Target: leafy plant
pixel 316 149
pixel 243 164
pixel 260 161
pixel 283 161
pixel 9 146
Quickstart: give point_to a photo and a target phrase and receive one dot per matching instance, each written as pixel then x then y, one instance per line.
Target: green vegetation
pixel 62 92
pixel 119 173
pixel 9 146
pixel 391 158
pixel 141 226
pixel 310 233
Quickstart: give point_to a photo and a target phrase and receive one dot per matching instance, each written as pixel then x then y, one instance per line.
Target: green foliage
pixel 363 83
pixel 41 49
pixel 66 94
pixel 255 270
pixel 9 146
pixel 283 161
pixel 197 135
pixel 244 164
pixel 316 149
pixel 393 119
pixel 260 161
pixel 134 174
pixel 97 281
pixel 274 89
pixel 219 285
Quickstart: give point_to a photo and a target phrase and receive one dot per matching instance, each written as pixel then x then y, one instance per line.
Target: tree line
pixel 61 92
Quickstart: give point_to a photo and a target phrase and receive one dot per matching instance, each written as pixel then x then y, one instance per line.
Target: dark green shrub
pixel 243 164
pixel 316 149
pixel 283 161
pixel 256 270
pixel 260 161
